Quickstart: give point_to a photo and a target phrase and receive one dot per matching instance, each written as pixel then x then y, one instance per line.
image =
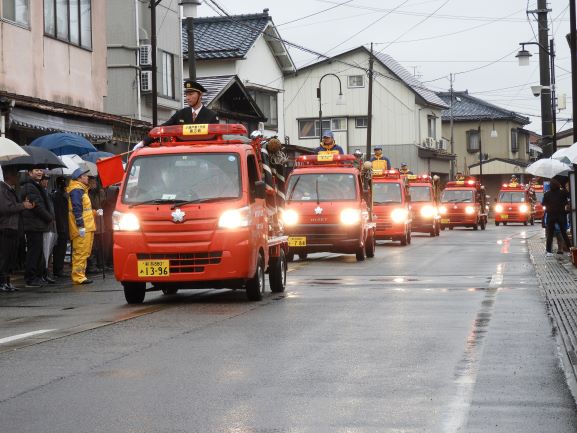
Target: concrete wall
pixel 34 65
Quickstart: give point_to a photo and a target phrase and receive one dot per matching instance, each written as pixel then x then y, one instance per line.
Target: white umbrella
pixel 567 154
pixel 10 150
pixel 548 168
pixel 71 165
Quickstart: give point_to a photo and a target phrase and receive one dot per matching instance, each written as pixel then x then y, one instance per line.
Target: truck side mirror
pixel 260 189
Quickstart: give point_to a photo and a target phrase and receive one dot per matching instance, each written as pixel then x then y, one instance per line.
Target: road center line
pixel 26 335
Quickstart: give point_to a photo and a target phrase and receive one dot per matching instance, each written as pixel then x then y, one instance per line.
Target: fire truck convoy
pixel 539 209
pixel 515 204
pixel 391 203
pixel 193 212
pixel 424 192
pixel 463 204
pixel 329 207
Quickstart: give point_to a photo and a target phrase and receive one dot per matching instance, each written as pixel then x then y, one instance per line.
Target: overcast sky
pixel 474 39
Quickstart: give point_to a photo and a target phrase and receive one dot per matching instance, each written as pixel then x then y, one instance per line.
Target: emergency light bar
pixel 513 185
pixel 422 178
pixel 197 131
pixel 390 174
pixel 325 158
pixel 464 183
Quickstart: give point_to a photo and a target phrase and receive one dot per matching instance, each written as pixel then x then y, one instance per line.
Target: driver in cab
pixel 328 144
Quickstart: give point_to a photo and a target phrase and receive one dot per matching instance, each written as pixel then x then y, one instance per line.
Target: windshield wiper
pixel 317 191
pixel 199 200
pixel 153 201
pixel 293 188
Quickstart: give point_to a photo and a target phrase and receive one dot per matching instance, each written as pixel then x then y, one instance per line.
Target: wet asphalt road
pixel 449 334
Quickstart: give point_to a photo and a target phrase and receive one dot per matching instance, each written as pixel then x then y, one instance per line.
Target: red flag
pixel 110 170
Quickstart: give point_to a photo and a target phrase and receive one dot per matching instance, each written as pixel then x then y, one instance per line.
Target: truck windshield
pixel 539 196
pixel 322 187
pixel 457 196
pixel 386 193
pixel 420 193
pixel 512 197
pixel 182 177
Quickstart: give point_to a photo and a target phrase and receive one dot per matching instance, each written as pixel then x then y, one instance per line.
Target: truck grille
pixel 185 262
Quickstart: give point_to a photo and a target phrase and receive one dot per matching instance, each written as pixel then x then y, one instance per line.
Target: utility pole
pixel 453 162
pixel 153 4
pixel 370 107
pixel 573 43
pixel 547 127
pixel 189 11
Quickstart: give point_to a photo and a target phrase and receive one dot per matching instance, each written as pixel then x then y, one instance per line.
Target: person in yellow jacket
pixel 81 223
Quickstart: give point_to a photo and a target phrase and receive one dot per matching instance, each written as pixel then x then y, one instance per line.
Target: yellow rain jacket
pixel 80 212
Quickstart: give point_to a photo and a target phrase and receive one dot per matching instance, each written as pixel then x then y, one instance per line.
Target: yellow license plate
pixel 325 156
pixel 504 217
pixel 297 241
pixel 196 129
pixel 445 221
pixel 153 268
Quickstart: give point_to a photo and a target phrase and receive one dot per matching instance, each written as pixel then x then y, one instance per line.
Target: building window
pixel 356 81
pixel 167 75
pixel 514 141
pixel 309 128
pixel 267 102
pixel 361 122
pixel 432 126
pixel 69 21
pixel 16 11
pixel 472 141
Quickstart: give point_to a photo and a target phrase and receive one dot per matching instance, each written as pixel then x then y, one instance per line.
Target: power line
pixel 316 13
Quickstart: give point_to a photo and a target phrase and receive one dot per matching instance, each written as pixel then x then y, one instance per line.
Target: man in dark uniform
pixel 196 112
pixel 328 144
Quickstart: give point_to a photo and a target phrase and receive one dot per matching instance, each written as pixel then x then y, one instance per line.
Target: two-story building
pixel 484 130
pixel 406 116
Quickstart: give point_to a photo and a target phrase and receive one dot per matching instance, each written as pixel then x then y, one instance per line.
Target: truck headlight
pixel 290 217
pixel 442 210
pixel 234 219
pixel 469 210
pixel 523 208
pixel 428 211
pixel 399 215
pixel 125 222
pixel 498 208
pixel 350 216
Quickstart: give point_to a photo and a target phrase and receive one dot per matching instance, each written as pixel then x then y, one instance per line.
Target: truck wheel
pixel 476 226
pixel 303 255
pixel 433 232
pixel 404 240
pixel 525 222
pixel 504 224
pixel 451 228
pixel 360 254
pixel 169 291
pixel 134 292
pixel 370 246
pixel 290 257
pixel 255 286
pixel 277 273
pixel 497 223
pixel 443 228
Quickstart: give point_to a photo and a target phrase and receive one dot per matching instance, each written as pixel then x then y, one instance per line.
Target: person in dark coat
pixel 60 200
pixel 555 201
pixel 10 226
pixel 36 222
pixel 196 112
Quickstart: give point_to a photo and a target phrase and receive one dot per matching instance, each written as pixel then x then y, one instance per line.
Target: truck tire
pixel 134 293
pixel 169 291
pixel 404 240
pixel 303 255
pixel 525 222
pixel 290 257
pixel 277 273
pixel 476 226
pixel 433 232
pixel 497 223
pixel 256 285
pixel 371 245
pixel 360 254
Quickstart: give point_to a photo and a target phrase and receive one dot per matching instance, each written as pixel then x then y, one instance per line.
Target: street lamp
pixel 340 101
pixel 548 104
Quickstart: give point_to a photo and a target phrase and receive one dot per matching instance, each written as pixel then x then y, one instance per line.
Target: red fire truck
pixel 538 192
pixel 515 204
pixel 391 206
pixel 424 191
pixel 192 213
pixel 463 204
pixel 328 207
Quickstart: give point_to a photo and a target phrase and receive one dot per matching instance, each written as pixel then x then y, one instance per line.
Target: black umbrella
pixel 37 158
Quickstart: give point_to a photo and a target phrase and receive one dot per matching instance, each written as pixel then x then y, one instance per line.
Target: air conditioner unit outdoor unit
pixel 442 144
pixel 146 81
pixel 145 55
pixel 429 142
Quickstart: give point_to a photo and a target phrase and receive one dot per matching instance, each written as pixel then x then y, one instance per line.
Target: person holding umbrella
pixel 81 224
pixel 10 225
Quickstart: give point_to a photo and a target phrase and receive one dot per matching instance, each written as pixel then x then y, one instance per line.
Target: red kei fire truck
pixel 328 207
pixel 463 204
pixel 537 189
pixel 391 206
pixel 424 192
pixel 192 212
pixel 515 204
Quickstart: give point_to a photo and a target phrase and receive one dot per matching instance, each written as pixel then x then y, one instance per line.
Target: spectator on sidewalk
pixel 97 198
pixel 10 226
pixel 50 235
pixel 81 224
pixel 555 201
pixel 36 222
pixel 60 201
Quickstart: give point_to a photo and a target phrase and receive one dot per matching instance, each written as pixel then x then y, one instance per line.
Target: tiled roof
pixel 225 37
pixel 418 87
pixel 467 107
pixel 517 162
